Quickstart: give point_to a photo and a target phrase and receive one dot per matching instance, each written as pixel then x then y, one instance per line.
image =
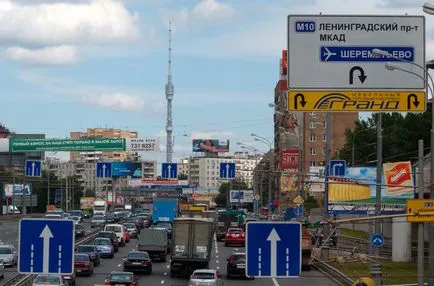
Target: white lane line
pixel 165 273
pixel 275 282
pixel 162 281
pixel 218 267
pixel 167 266
pixel 119 265
pixel 217 261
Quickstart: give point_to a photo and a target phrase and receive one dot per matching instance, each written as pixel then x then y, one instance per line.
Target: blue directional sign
pixel 169 170
pixel 33 168
pixel 298 211
pixel 377 240
pixel 337 168
pixel 103 170
pixel 227 170
pixel 271 251
pixel 364 54
pixel 46 246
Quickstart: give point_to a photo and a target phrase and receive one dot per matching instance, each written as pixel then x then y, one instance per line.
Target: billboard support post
pixel 420 234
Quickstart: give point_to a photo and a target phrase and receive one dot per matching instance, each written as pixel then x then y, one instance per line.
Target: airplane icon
pixel 327 53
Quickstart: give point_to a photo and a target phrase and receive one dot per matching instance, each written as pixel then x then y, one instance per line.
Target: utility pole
pixel 48 183
pixel 327 173
pixel 420 236
pixel 170 90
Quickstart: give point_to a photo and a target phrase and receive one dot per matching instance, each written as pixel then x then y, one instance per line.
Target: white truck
pixel 99 207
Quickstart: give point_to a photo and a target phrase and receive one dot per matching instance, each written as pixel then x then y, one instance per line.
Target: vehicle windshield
pixel 164 224
pixel 239 258
pixel 130 225
pixel 81 258
pixel 101 242
pixel 5 250
pixel 138 255
pixel 106 234
pixel 235 231
pixel 114 228
pixel 86 249
pixel 203 276
pixel 45 279
pixel 121 277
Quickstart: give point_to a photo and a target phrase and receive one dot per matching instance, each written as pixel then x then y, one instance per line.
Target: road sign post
pixel 33 168
pixel 46 246
pixel 271 252
pixel 169 170
pixel 103 170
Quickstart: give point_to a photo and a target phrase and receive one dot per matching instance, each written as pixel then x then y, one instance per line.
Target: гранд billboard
pixel 210 145
pixel 127 169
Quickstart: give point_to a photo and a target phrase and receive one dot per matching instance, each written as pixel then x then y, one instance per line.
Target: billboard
pixel 210 145
pixel 355 193
pixel 289 160
pixel 316 179
pixel 288 183
pixel 241 196
pixel 18 189
pixel 127 169
pixel 86 203
pixel 398 177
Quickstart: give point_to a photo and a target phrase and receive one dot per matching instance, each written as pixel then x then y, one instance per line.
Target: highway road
pixel 161 271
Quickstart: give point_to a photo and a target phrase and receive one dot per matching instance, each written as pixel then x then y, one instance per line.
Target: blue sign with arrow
pixel 298 211
pixel 46 246
pixel 169 170
pixel 103 170
pixel 271 252
pixel 377 240
pixel 227 170
pixel 337 168
pixel 33 168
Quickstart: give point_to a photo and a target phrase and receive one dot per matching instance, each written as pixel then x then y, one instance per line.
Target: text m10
pixel 305 26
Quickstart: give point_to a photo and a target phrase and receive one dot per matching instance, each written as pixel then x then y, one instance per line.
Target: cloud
pixel 95 22
pixel 116 101
pixel 59 55
pixel 401 4
pixel 211 10
pixel 211 134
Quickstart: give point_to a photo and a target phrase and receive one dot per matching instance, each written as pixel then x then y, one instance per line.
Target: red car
pixel 83 264
pixel 235 236
pixel 126 234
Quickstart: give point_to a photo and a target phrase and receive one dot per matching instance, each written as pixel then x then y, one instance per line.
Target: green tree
pixel 400 135
pixel 182 176
pixel 310 203
pixel 221 199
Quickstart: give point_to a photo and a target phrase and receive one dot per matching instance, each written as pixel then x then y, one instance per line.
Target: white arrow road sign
pixel 46 235
pixel 169 168
pixel 336 165
pixel 103 170
pixel 273 238
pixel 33 168
pixel 227 170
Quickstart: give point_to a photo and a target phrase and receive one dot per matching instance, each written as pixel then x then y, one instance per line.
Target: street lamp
pixel 428 8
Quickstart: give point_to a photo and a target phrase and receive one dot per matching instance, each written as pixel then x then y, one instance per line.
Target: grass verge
pixel 354 233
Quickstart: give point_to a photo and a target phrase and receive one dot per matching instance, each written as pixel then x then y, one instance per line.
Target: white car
pixel 8 254
pixel 2 269
pixel 119 230
pixel 205 277
pixel 49 279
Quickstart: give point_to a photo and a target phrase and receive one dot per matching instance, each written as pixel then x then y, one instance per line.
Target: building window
pixel 324 138
pixel 312 125
pixel 313 113
pixel 312 163
pixel 312 138
pixel 312 151
pixel 324 124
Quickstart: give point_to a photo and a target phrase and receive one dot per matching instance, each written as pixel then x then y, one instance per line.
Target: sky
pixel 76 64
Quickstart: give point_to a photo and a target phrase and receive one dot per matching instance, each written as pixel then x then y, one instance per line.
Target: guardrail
pixel 337 276
pixel 27 279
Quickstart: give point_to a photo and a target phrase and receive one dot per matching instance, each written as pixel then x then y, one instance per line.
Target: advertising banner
pixel 355 193
pixel 288 183
pixel 18 189
pixel 398 177
pixel 86 203
pixel 127 169
pixel 142 144
pixel 289 160
pixel 241 196
pixel 91 144
pixel 284 63
pixel 316 179
pixel 210 145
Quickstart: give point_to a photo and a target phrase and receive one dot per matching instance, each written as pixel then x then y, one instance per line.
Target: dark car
pixel 79 230
pixel 236 266
pixel 165 225
pixel 121 278
pixel 83 264
pixel 109 218
pixel 112 236
pixel 138 261
pixel 70 278
pixel 92 251
pixel 147 219
pixel 138 221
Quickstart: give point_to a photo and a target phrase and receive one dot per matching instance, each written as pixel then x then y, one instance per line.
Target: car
pixel 147 219
pixel 8 254
pixel 205 277
pixel 131 229
pixel 105 247
pixel 247 220
pixel 97 220
pixel 236 266
pixel 78 213
pixel 167 226
pixel 83 264
pixel 235 236
pixel 49 279
pixel 109 218
pixel 69 278
pixel 54 216
pixel 138 221
pixel 2 270
pixel 79 230
pixel 92 251
pixel 119 230
pixel 121 278
pixel 112 236
pixel 127 236
pixel 76 219
pixel 138 261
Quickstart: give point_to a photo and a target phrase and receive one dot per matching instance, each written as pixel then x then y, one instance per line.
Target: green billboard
pixel 88 144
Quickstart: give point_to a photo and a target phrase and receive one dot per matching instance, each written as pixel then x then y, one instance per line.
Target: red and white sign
pixel 289 160
pixel 284 63
pixel 398 177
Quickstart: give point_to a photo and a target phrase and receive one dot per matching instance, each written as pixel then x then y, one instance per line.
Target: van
pixel 119 230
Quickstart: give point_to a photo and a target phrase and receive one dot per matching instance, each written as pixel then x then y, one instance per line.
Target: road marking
pixel 7 232
pixel 165 273
pixel 216 245
pixel 167 266
pixel 162 281
pixel 275 282
pixel 217 261
pixel 218 267
pixel 119 265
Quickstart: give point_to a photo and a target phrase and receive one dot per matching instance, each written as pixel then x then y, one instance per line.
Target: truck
pixel 228 218
pixel 164 210
pixel 99 207
pixel 191 245
pixel 154 242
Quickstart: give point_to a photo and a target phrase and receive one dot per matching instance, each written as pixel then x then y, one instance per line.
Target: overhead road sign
pixel 357 100
pixel 103 170
pixel 33 168
pixel 169 170
pixel 227 170
pixel 344 44
pixel 46 246
pixel 422 210
pixel 377 240
pixel 337 168
pixel 271 252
